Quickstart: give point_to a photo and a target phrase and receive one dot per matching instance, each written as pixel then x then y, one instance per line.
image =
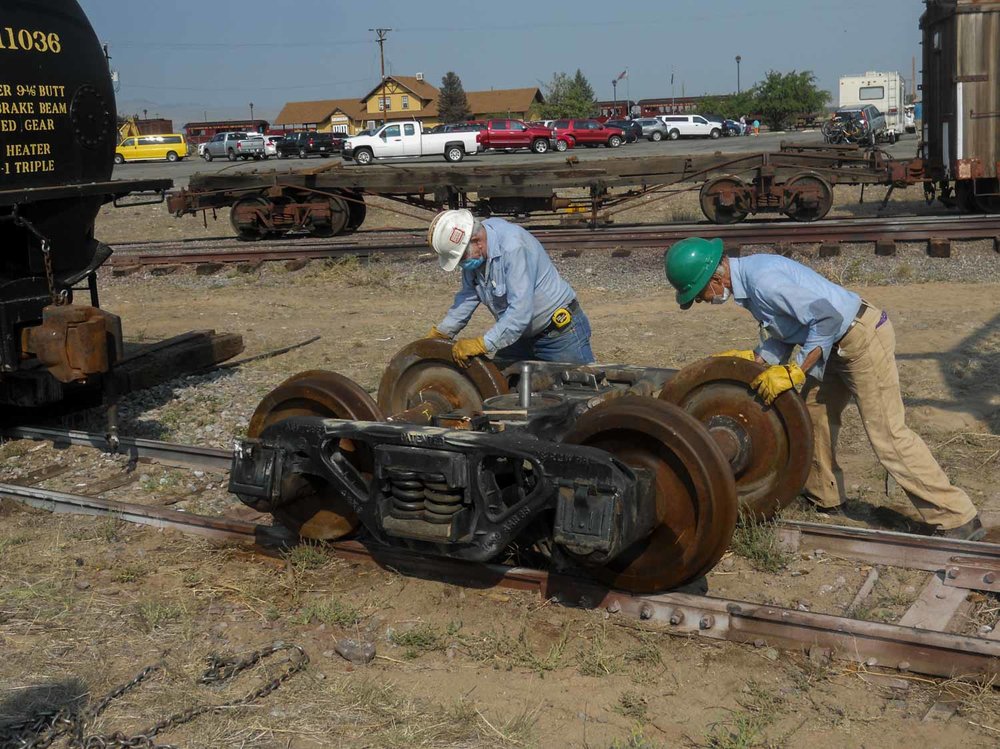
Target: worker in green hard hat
pixel 845 349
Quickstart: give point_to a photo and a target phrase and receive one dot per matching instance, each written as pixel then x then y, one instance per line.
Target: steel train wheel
pixel 695 494
pixel 807 197
pixel 424 370
pixel 338 219
pixel 723 200
pixel 245 219
pixel 357 210
pixel 770 446
pixel 315 511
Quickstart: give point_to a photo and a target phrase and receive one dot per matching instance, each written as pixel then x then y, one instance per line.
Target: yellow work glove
pixel 775 380
pixel 748 355
pixel 465 348
pixel 435 333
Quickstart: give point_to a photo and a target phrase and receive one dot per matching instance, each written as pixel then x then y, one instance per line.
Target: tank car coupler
pixel 74 341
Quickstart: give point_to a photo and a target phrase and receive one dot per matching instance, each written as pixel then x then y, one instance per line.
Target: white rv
pixel 884 90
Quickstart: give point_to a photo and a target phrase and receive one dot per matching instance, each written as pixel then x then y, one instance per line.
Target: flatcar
pixel 59 131
pixel 961 102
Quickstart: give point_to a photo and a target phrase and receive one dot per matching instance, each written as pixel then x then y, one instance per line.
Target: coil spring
pixel 423 496
pixel 407 492
pixel 441 501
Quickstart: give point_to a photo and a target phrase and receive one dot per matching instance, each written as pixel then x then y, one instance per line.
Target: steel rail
pixel 918 228
pixel 168 453
pixel 872 643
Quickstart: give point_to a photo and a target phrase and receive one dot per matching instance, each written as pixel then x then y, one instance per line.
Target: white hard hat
pixel 449 235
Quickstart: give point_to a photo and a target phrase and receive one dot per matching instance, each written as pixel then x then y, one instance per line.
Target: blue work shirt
pixel 517 283
pixel 795 305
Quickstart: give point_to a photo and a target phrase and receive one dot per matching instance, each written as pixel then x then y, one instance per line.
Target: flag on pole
pixel 671 79
pixel 624 74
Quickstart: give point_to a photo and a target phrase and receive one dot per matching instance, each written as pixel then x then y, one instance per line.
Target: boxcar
pixel 961 100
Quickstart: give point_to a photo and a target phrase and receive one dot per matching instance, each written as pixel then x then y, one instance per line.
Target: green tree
pixel 780 97
pixel 568 97
pixel 452 104
pixel 731 106
pixel 583 91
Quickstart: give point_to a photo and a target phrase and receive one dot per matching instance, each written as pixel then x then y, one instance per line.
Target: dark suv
pixel 632 130
pixel 304 145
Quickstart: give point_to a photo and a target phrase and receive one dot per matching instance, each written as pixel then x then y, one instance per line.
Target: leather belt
pixel 573 308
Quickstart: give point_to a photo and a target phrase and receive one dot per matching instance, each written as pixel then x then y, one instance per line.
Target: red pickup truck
pixel 511 134
pixel 589 133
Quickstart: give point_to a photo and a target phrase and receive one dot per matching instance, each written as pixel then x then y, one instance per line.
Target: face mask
pixel 721 299
pixel 472 263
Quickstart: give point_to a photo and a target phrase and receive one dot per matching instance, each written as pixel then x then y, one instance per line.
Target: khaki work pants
pixel 863 365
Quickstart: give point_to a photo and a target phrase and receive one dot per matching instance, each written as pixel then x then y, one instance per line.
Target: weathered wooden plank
pixel 936 606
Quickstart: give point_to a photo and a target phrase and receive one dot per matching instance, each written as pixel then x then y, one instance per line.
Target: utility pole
pixel 382 33
pixel 739 59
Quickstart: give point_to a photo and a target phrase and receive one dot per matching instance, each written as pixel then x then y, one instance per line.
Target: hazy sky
pixel 184 58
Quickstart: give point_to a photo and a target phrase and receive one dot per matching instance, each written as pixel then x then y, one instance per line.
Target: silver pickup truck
pixel 235 145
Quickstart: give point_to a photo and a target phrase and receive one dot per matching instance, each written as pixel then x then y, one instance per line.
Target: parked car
pixel 169 146
pixel 408 139
pixel 513 134
pixel 632 131
pixel 731 128
pixel 271 145
pixel 690 126
pixel 306 144
pixel 871 123
pixel 652 128
pixel 590 133
pixel 234 145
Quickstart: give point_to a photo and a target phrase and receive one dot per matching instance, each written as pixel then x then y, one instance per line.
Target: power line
pixel 326 84
pixel 234 45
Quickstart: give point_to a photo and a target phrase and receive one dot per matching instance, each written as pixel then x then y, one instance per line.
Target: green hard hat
pixel 689 265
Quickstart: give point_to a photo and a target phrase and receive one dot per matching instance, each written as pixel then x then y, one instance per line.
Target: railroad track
pixel 911 228
pixel 922 641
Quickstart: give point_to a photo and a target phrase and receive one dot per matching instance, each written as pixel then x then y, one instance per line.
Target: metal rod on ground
pixel 265 355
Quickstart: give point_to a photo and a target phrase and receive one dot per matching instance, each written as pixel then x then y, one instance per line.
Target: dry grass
pixel 747 728
pixel 353 272
pixel 505 652
pixel 757 541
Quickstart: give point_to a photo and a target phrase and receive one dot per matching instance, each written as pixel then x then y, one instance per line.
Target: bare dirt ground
pixel 84 604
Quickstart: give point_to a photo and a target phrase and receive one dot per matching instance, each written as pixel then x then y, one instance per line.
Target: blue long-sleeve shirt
pixel 795 304
pixel 517 283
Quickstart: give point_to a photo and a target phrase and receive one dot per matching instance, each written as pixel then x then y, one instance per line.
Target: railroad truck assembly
pixel 633 476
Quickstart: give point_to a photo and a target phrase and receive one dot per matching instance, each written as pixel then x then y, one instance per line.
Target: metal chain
pixel 50 278
pixel 50 726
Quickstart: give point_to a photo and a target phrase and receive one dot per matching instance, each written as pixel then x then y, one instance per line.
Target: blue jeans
pixel 570 345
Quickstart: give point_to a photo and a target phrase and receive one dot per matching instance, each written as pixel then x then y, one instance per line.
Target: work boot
pixel 971 531
pixel 836 511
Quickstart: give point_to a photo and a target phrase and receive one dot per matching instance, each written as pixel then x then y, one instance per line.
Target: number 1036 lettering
pixel 29 41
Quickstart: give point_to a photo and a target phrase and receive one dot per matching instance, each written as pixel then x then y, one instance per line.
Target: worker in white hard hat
pixel 506 269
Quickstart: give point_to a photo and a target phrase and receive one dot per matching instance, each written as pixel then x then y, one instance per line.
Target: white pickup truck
pixel 407 139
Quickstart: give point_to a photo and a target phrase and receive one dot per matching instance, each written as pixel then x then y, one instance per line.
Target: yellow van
pixel 171 147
